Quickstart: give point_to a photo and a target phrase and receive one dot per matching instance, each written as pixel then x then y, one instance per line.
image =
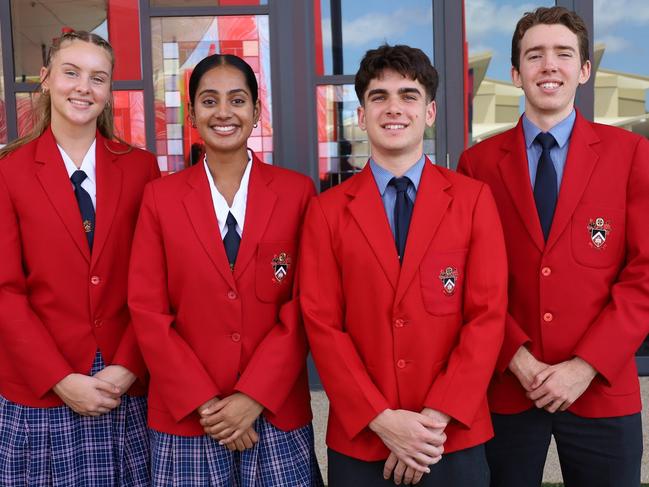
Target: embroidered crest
pixel 599 230
pixel 87 226
pixel 449 277
pixel 281 264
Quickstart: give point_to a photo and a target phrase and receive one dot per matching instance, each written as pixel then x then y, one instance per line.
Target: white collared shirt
pixel 87 166
pixel 238 208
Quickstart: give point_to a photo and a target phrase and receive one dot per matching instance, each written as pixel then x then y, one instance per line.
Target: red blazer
pixel 59 303
pixel 573 296
pixel 389 336
pixel 204 330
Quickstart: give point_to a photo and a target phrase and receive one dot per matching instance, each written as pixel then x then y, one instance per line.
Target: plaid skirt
pixel 280 458
pixel 60 448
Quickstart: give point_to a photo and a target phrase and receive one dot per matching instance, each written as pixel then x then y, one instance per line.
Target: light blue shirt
pixel 561 133
pixel 388 193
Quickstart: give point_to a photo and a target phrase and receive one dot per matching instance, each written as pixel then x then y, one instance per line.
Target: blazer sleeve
pixel 128 353
pixel 183 381
pixel 461 388
pixel 625 320
pixel 349 387
pixel 280 358
pixel 515 337
pixel 25 339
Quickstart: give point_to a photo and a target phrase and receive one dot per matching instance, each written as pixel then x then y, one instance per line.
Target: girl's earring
pixel 255 124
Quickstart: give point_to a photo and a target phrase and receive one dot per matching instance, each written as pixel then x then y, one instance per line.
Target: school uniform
pixel 423 333
pixel 208 330
pixel 63 310
pixel 582 293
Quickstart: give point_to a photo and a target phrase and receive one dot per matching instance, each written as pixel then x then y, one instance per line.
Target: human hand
pixel 526 367
pixel 414 438
pixel 440 417
pixel 558 386
pixel 400 471
pixel 245 441
pixel 118 375
pixel 87 396
pixel 227 419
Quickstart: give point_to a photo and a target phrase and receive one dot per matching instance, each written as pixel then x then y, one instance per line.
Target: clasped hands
pixel 415 441
pixel 552 387
pixel 97 394
pixel 229 421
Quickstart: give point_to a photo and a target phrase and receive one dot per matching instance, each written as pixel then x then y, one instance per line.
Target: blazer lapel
pixel 431 204
pixel 259 208
pixel 580 163
pixel 516 176
pixel 200 209
pixel 367 209
pixel 109 189
pixel 56 183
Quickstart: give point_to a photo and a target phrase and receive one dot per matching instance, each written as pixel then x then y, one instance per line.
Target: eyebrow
pixel 77 67
pixel 401 91
pixel 216 92
pixel 554 48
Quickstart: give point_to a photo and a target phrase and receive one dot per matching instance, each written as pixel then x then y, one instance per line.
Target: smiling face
pixel 395 114
pixel 78 80
pixel 550 72
pixel 223 109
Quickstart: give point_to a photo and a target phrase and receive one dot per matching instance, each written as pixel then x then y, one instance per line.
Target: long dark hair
pixel 216 60
pixel 105 123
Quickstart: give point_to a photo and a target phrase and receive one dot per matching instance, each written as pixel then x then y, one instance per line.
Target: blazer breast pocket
pixel 274 271
pixel 597 236
pixel 442 281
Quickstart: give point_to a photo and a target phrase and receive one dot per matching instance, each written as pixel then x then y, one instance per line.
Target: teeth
pixel 80 103
pixel 394 126
pixel 226 128
pixel 550 85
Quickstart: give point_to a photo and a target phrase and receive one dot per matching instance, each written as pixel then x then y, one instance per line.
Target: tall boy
pixel 403 290
pixel 573 198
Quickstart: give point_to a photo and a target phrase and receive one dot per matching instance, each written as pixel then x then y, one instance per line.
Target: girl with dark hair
pixel 72 411
pixel 215 307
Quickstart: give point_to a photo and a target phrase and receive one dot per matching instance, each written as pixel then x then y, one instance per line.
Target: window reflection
pixel 178 44
pixel 346 29
pixel 35 24
pixel 621 64
pixel 495 104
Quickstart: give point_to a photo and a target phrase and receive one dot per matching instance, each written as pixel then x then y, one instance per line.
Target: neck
pixel 75 140
pixel 227 168
pixel 545 121
pixel 397 164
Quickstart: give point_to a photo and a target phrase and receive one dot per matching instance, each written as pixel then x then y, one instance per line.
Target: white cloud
pixel 609 14
pixel 377 27
pixel 614 43
pixel 484 18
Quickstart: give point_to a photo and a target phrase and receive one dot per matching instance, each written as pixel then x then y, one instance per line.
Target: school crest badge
pixel 599 230
pixel 449 277
pixel 281 264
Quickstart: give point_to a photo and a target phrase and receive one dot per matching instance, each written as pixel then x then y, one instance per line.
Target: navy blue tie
pixel 545 185
pixel 85 205
pixel 231 240
pixel 402 213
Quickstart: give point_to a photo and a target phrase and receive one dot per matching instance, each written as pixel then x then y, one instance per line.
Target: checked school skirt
pixel 280 458
pixel 60 448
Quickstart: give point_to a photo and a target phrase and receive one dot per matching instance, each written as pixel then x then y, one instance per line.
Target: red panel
pixel 124 35
pixel 319 56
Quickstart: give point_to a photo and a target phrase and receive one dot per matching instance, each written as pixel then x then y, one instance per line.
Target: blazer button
pixel 232 294
pixel 548 317
pixel 401 363
pixel 97 323
pixel 399 323
pixel 235 337
pixel 95 280
pixel 546 271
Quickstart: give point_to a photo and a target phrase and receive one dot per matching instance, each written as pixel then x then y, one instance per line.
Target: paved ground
pixel 552 471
